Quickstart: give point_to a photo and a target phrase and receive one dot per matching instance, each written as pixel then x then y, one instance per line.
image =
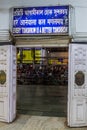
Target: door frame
pixel 44 42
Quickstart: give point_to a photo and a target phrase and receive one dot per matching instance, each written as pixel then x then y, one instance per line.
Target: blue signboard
pixel 41 20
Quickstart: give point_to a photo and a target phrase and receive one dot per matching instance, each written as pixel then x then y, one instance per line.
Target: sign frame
pixel 34 34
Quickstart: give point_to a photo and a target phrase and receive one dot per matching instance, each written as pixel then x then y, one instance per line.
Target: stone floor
pixel 27 122
pixel 42 100
pixel 40 108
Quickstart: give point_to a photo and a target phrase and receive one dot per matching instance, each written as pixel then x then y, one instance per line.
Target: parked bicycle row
pixel 50 75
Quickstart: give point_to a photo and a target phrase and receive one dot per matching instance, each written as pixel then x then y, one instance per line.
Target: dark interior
pixel 42 81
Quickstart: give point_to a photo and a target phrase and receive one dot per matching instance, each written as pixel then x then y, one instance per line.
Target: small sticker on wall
pixel 2 77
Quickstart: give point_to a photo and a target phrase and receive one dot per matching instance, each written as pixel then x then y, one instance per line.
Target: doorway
pixel 42 80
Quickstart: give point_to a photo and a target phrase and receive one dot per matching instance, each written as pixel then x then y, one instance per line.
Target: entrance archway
pixel 44 43
pixel 77 105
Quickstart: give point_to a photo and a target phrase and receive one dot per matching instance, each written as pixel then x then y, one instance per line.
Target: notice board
pixel 40 20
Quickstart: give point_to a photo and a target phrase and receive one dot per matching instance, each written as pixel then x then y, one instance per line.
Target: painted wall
pixel 78 27
pixel 10 3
